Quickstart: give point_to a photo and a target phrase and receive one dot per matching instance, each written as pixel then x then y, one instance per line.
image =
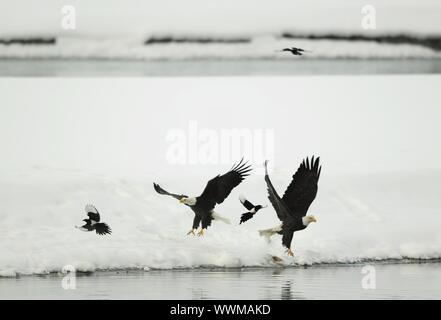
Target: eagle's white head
pixel 188 201
pixel 308 219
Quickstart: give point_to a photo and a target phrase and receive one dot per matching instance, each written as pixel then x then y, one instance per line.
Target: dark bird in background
pixel 93 222
pixel 291 209
pixel 215 192
pixel 252 209
pixel 295 51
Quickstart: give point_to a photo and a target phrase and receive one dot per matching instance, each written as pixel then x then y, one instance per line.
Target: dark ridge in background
pixel 432 42
pixel 200 40
pixel 28 41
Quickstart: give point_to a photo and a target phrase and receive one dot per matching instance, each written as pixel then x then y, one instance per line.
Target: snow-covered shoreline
pixel 149 229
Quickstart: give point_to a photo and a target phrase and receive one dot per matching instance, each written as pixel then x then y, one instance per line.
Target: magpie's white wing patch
pixel 246 203
pixel 90 208
pixel 92 213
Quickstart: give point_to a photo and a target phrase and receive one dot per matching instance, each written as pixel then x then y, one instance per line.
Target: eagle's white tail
pixel 217 217
pixel 268 233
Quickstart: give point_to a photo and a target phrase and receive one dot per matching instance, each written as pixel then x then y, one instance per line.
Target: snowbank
pixel 372 217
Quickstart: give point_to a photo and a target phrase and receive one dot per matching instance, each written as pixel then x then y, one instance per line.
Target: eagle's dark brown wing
pixel 303 187
pixel 218 188
pixel 279 206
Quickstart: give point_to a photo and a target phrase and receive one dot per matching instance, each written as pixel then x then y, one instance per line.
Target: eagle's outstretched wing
pixel 92 212
pixel 303 187
pixel 218 188
pixel 162 191
pixel 281 210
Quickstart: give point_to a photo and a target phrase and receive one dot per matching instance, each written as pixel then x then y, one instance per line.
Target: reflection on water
pixel 393 281
pixel 286 291
pixel 253 67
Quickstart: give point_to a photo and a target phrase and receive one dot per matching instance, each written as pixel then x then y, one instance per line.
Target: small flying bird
pixel 291 209
pixel 93 223
pixel 215 192
pixel 295 51
pixel 252 209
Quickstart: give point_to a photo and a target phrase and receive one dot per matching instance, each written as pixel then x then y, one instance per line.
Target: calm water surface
pixel 393 281
pixel 88 67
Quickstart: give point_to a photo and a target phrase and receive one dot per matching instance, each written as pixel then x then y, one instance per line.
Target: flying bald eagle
pixel 292 207
pixel 252 209
pixel 93 223
pixel 215 192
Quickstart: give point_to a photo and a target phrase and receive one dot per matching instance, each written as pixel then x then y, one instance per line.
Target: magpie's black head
pixel 258 207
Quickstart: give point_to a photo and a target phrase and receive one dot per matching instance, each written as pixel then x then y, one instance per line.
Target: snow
pixel 70 142
pixel 356 222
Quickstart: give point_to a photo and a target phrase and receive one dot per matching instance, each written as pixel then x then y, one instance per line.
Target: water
pixel 253 67
pixel 393 281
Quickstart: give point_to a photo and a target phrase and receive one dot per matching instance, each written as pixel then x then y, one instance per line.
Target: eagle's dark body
pixel 202 215
pixel 288 228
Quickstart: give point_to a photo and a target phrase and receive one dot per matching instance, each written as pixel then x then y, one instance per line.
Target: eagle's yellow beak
pixel 181 200
pixel 313 219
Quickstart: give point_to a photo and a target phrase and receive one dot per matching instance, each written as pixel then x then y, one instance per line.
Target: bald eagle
pixel 215 192
pixel 291 209
pixel 93 223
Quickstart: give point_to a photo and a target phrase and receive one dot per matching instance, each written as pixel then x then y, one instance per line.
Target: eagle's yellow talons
pixel 201 233
pixel 190 232
pixel 290 253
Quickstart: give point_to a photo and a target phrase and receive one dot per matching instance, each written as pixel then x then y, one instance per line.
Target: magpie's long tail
pixel 245 217
pixel 102 228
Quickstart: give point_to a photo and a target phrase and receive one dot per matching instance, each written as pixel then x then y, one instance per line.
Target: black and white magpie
pixel 93 223
pixel 252 209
